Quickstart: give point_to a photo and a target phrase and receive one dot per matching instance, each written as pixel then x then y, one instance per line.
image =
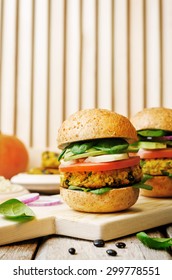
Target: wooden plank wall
pixel 59 56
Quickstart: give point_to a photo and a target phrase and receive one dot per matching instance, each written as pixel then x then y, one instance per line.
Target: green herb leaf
pixel 14 208
pixel 154 243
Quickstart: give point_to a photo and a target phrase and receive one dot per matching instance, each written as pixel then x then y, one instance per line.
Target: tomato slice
pixel 102 166
pixel 152 154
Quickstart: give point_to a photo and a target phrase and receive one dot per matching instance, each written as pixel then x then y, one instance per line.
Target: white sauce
pixel 7 187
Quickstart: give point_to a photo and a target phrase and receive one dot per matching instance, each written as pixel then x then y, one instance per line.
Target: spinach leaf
pixel 146 177
pixel 14 208
pixel 142 162
pixel 80 147
pixel 142 184
pixel 154 243
pixel 151 132
pixel 165 173
pixel 95 191
pixel 76 188
pixel 101 190
pixel 112 146
pixel 169 143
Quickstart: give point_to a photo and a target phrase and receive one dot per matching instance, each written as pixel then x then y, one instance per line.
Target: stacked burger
pixel 97 173
pixel 154 129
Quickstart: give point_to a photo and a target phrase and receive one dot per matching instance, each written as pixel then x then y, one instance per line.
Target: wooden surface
pixel 60 219
pixel 54 247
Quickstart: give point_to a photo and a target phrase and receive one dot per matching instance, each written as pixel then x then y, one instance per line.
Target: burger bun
pixel 112 201
pixel 92 124
pixel 153 118
pixel 162 187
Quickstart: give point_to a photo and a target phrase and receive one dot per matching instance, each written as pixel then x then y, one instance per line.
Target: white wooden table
pixel 55 247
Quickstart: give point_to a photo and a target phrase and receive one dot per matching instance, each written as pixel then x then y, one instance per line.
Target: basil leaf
pixel 112 146
pixel 101 190
pixel 154 243
pixel 14 208
pixel 151 132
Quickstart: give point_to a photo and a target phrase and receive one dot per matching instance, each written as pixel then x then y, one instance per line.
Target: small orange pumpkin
pixel 14 156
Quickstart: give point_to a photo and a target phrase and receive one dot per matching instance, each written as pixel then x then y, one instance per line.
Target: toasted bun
pixel 153 118
pixel 94 124
pixel 162 187
pixel 112 201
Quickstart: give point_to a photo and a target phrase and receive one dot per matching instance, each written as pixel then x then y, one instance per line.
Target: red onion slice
pixel 28 198
pixel 162 138
pixel 166 137
pixel 45 201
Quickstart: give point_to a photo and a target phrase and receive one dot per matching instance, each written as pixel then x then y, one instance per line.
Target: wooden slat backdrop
pixel 59 56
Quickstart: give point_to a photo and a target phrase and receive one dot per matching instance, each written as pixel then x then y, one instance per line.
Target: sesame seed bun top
pixel 95 124
pixel 153 118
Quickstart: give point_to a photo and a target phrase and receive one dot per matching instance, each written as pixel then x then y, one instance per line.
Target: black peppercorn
pixel 72 251
pixel 111 252
pixel 99 243
pixel 120 245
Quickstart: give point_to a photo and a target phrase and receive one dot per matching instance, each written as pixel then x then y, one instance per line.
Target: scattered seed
pixel 111 252
pixel 99 243
pixel 72 251
pixel 120 245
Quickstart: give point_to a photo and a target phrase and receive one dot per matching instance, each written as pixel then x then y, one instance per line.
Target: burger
pixel 154 129
pixel 97 174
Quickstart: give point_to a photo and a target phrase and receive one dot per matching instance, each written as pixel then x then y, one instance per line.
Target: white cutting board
pixel 60 219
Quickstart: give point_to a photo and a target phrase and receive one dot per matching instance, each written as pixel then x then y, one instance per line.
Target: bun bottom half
pixel 113 201
pixel 162 187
